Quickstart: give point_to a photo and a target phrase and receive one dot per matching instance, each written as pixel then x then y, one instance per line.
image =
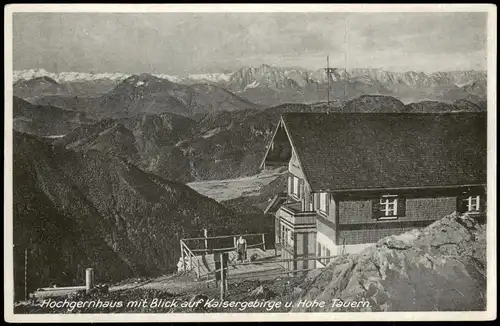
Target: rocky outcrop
pixel 43 120
pixel 439 268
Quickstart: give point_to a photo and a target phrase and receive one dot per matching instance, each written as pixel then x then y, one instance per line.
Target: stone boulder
pixel 439 268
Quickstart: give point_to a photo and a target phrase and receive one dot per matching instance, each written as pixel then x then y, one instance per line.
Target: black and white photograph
pixel 249 162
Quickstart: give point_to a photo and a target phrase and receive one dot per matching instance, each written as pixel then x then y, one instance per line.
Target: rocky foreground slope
pixel 439 268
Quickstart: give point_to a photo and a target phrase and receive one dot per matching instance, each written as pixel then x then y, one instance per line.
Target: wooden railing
pixel 224 279
pixel 194 262
pixel 206 241
pixel 279 198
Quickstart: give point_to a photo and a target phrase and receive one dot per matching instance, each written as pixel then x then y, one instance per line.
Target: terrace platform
pixel 262 263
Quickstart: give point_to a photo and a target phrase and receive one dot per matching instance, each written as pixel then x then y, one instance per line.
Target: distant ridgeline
pixel 214 145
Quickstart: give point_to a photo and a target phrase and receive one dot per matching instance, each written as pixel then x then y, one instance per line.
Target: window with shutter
pixel 401 206
pixel 376 208
pixel 277 230
pixel 301 188
pixel 462 204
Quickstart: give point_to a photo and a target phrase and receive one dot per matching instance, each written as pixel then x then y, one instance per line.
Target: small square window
pixel 473 204
pixel 388 207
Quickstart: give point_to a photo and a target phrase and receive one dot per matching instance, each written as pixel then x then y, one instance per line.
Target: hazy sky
pixel 179 43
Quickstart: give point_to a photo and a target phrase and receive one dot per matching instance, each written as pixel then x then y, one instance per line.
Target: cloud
pixel 179 43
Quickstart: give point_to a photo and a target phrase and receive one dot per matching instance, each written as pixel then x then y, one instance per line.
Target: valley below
pixel 222 190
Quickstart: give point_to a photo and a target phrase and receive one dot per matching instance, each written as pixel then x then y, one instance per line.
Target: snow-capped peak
pixel 66 76
pixel 210 77
pixel 254 84
pixel 277 77
pixel 84 76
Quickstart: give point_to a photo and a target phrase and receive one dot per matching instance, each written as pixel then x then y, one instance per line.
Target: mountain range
pixel 269 86
pixel 137 94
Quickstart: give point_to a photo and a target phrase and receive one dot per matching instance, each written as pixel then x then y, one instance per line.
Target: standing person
pixel 241 245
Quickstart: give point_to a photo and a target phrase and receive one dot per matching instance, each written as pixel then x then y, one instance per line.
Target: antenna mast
pixel 345 59
pixel 328 78
pixel 329 72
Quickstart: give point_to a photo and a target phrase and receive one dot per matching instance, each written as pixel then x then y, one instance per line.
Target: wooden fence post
pixel 26 273
pixel 205 234
pixel 222 281
pixel 182 257
pixel 235 248
pixel 263 241
pixel 89 279
pixel 198 268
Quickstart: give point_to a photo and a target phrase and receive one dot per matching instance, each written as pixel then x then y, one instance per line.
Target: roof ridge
pixel 381 113
pixel 360 150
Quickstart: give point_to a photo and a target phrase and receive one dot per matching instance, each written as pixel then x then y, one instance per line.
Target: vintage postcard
pixel 239 162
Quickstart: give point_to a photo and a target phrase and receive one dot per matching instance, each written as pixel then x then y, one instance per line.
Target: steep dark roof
pixel 389 150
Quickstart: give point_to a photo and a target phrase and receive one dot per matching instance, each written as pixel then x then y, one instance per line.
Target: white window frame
pixel 322 206
pixel 327 260
pixel 295 186
pixel 286 236
pixel 290 238
pixel 321 249
pixel 389 207
pixel 473 204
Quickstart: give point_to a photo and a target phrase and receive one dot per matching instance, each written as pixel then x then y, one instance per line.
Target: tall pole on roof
pixel 329 72
pixel 345 59
pixel 328 78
